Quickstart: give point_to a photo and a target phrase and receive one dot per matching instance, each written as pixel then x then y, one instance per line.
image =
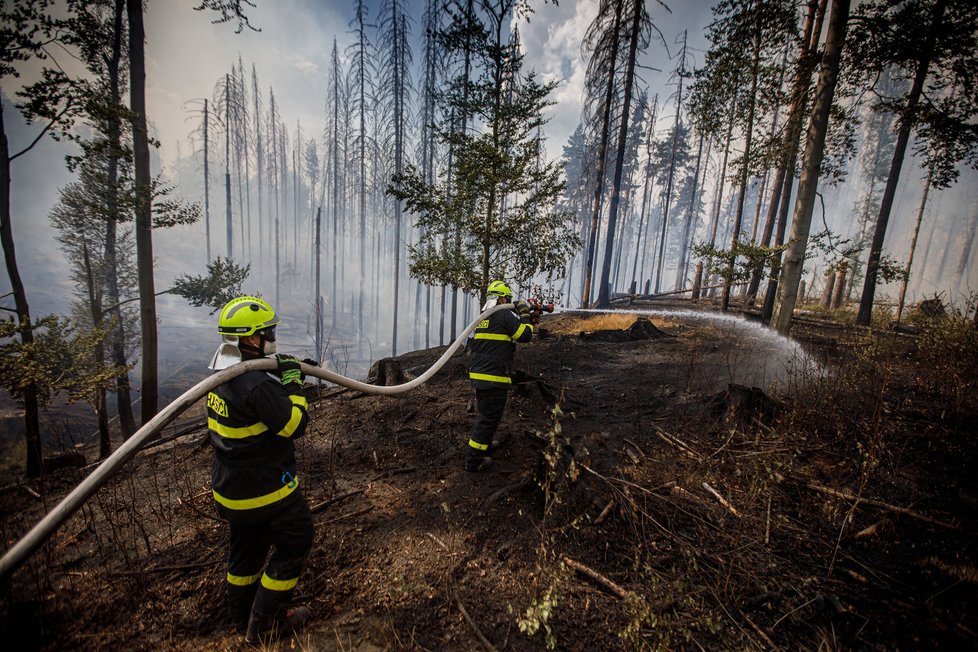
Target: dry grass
pixel 574 324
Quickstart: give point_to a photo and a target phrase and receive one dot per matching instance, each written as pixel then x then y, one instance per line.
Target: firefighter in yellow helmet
pixel 253 420
pixel 493 347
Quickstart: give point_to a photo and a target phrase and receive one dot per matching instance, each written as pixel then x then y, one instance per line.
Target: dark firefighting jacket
pixel 253 420
pixel 493 347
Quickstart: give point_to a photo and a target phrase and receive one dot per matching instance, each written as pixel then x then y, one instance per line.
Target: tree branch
pixel 53 122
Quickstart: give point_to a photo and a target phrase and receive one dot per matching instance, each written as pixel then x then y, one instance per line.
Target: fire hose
pixel 35 538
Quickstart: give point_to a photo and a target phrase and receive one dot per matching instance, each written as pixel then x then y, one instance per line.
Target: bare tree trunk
pixel 227 164
pixel 781 198
pixel 32 430
pixel 812 161
pixel 259 169
pixel 913 248
pixel 893 178
pixel 672 170
pixel 840 285
pixel 603 298
pixel 690 219
pixel 144 210
pixel 738 219
pixel 602 155
pixel 969 245
pixel 123 397
pixel 317 294
pixel 827 287
pixel 95 308
pixel 207 185
pixel 698 280
pixel 649 135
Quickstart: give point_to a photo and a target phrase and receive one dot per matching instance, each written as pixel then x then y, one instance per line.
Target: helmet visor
pixel 268 333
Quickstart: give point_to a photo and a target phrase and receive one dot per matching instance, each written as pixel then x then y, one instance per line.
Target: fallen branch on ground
pixel 475 628
pixel 875 503
pixel 595 576
pixel 675 442
pixel 438 541
pixel 168 569
pixel 721 499
pixel 604 512
pixel 335 499
pixel 348 515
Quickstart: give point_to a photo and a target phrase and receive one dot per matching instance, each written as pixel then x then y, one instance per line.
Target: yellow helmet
pixel 499 289
pixel 245 316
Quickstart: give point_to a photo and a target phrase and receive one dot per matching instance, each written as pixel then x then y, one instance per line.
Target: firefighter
pixel 493 346
pixel 253 420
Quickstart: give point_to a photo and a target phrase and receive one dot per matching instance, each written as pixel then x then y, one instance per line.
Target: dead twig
pixel 348 515
pixel 30 491
pixel 632 456
pixel 335 499
pixel 876 503
pixel 635 446
pixel 390 472
pixel 767 524
pixel 760 632
pixel 721 499
pixel 441 543
pixel 604 512
pixel 475 628
pixel 675 442
pixel 190 505
pixel 594 575
pixel 168 569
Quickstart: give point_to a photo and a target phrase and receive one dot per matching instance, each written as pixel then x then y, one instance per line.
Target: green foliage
pixel 229 10
pixel 746 257
pixel 538 614
pixel 24 26
pixel 549 573
pixel 892 36
pixel 495 215
pixel 61 360
pixel 221 284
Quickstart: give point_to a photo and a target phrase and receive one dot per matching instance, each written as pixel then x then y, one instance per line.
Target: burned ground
pixel 687 495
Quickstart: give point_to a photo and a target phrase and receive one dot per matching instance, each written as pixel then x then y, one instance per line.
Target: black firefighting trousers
pixel 491 404
pixel 288 534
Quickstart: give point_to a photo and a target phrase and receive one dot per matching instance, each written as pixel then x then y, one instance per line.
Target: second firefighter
pixel 493 348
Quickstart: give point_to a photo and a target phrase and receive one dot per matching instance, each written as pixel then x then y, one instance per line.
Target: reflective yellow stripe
pixel 491 379
pixel 236 433
pixel 241 580
pixel 493 336
pixel 278 585
pixel 521 329
pixel 260 501
pixel 476 445
pixel 298 401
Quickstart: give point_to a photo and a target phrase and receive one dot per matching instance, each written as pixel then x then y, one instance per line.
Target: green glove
pixel 288 369
pixel 521 307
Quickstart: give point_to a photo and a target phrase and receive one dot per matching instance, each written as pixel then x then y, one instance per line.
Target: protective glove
pixel 311 363
pixel 521 307
pixel 288 369
pixel 530 318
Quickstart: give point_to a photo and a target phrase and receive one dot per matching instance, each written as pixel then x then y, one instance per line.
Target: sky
pixel 293 49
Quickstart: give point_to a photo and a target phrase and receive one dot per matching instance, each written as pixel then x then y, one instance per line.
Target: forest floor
pixel 704 485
